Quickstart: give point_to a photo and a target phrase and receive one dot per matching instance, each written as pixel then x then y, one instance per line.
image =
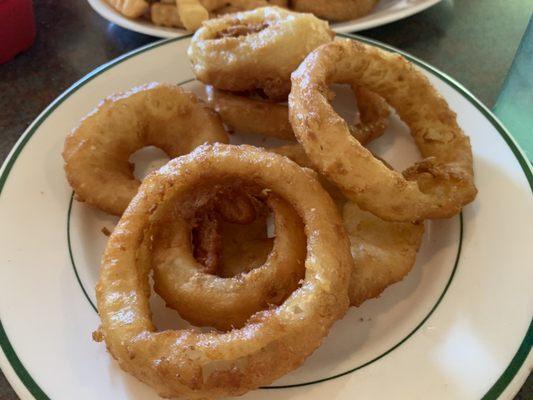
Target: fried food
pixel 130 8
pixel 436 187
pixel 224 205
pixel 255 50
pixel 163 14
pixel 384 252
pixel 248 115
pixel 273 342
pixel 335 10
pixel 208 300
pixel 192 13
pixel 233 6
pixel 97 151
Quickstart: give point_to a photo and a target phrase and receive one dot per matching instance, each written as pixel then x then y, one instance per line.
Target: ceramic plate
pixel 385 12
pixel 457 327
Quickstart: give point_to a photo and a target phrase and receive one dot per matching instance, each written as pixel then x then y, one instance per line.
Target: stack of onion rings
pixel 273 342
pixel 247 115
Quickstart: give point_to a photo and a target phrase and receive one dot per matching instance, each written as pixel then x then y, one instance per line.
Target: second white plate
pixel 385 12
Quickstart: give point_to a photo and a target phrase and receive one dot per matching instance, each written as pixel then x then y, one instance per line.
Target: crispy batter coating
pixel 255 49
pixel 247 115
pixel 97 151
pixel 384 252
pixel 203 365
pixel 224 303
pixel 335 10
pixel 437 187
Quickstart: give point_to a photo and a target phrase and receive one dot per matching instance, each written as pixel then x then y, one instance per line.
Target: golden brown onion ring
pixel 248 50
pixel 97 151
pixel 437 187
pixel 273 342
pixel 208 300
pixel 384 252
pixel 247 115
pixel 335 10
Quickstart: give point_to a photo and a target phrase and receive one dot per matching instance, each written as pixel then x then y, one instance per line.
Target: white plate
pixel 385 12
pixel 458 327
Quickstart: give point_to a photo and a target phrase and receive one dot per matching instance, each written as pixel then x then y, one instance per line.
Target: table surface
pixel 473 41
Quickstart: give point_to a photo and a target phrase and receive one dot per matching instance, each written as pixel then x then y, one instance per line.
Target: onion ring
pixel 248 50
pixel 224 303
pixel 436 187
pixel 269 119
pixel 97 152
pixel 273 342
pixel 335 10
pixel 384 252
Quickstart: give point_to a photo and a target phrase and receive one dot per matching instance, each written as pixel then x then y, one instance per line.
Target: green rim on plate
pixel 523 350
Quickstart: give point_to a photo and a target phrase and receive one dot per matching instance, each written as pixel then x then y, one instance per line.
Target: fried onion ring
pixel 436 187
pixel 384 252
pixel 247 115
pixel 208 300
pixel 335 10
pixel 97 151
pixel 273 342
pixel 249 50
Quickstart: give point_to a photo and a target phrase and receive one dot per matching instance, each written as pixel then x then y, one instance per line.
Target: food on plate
pixel 273 342
pixel 210 300
pixel 250 115
pixel 97 151
pixel 243 5
pixel 255 50
pixel 384 252
pixel 164 14
pixel 169 12
pixel 436 187
pixel 192 13
pixel 211 210
pixel 130 8
pixel 335 10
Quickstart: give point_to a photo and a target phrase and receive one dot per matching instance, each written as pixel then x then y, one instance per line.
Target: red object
pixel 17 27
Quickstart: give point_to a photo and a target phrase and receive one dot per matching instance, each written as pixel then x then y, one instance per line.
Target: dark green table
pixel 474 41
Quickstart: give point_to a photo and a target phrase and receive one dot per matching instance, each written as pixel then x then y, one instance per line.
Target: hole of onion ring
pixel 345 104
pixel 244 247
pixel 146 160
